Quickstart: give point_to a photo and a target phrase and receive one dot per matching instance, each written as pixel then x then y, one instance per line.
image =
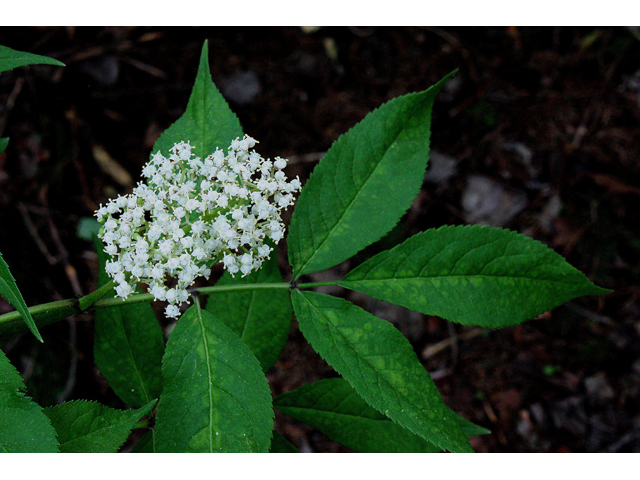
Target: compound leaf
pixel 363 185
pixel 380 365
pixel 215 398
pixel 474 275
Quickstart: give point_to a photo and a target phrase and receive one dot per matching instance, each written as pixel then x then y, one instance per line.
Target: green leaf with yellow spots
pixel 473 275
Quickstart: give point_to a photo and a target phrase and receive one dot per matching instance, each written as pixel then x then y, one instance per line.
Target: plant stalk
pixel 47 313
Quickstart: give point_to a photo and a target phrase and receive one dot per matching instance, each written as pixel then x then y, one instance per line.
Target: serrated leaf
pixel 363 185
pixel 333 407
pixel 10 291
pixel 10 59
pixel 208 122
pixel 128 346
pixel 474 275
pixel 4 143
pixel 380 364
pixel 215 398
pixel 90 427
pixel 24 428
pixel 261 318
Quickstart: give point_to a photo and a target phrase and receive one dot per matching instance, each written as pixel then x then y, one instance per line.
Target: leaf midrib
pixel 428 278
pixel 209 374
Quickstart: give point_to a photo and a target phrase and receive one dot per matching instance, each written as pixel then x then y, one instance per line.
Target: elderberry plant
pixel 206 197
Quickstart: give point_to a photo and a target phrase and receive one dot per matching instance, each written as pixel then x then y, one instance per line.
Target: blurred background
pixel 538 132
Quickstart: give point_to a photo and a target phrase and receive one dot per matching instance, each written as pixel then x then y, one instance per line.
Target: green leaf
pixel 90 427
pixel 471 429
pixel 9 290
pixel 333 407
pixel 23 426
pixel 363 185
pixel 146 444
pixel 128 346
pixel 262 318
pixel 380 365
pixel 279 444
pixel 4 143
pixel 474 275
pixel 10 59
pixel 215 398
pixel 208 122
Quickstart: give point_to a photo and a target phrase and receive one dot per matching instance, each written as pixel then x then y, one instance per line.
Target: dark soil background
pixel 539 132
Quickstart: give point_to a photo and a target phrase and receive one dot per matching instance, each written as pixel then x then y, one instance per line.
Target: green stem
pixel 44 314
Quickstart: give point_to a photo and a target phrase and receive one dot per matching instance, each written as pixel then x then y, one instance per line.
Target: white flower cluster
pixel 193 213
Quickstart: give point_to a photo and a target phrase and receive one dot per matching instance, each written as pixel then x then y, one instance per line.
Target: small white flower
pixel 228 260
pixel 113 267
pixel 197 227
pixel 166 247
pixel 187 242
pixel 172 264
pixel 172 311
pixel 192 204
pixel 158 292
pixel 124 290
pixel 182 295
pixel 222 201
pixel 157 273
pixel 280 163
pixel 199 253
pixel 171 295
